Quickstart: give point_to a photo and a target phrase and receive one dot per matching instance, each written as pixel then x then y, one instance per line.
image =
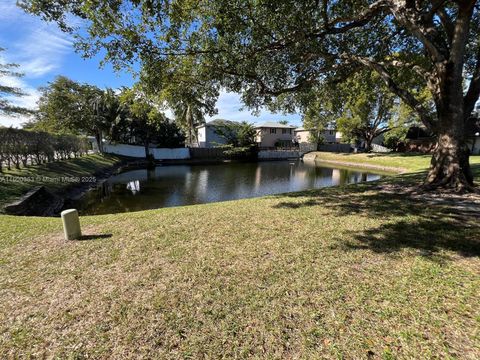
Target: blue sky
pixel 44 52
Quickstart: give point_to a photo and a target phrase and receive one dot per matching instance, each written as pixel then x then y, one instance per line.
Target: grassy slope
pixel 80 167
pixel 338 272
pixel 406 162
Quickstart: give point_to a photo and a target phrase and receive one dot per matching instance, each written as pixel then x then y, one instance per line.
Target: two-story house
pixel 272 134
pixel 208 136
pixel 330 134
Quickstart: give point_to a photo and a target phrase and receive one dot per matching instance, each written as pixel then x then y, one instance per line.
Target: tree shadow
pixel 411 220
pixel 429 236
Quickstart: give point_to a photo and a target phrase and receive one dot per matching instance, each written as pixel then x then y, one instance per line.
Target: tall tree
pixel 144 122
pixel 273 49
pixel 368 109
pixel 182 87
pixel 66 106
pixel 320 110
pixel 8 70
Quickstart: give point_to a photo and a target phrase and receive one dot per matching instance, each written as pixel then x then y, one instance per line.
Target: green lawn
pixel 362 271
pixel 46 173
pixel 404 162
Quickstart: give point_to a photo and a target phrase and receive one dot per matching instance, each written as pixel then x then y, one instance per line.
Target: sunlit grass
pixel 349 272
pixel 407 162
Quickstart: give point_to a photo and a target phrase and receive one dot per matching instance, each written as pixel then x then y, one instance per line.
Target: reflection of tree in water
pixel 104 190
pixel 179 185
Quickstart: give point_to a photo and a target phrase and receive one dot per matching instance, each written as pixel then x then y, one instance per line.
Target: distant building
pixel 472 129
pixel 272 134
pixel 330 134
pixel 207 134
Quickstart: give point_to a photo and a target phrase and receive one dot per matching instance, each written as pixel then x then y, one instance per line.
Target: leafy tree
pixel 404 118
pixel 108 111
pixel 272 50
pixel 6 106
pixel 144 122
pixel 179 86
pixel 237 134
pixel 19 147
pixel 66 106
pixel 368 109
pixel 320 110
pixel 394 138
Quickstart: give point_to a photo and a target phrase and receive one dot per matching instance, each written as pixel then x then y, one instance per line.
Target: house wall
pixel 338 137
pixel 303 136
pixel 331 136
pixel 208 138
pixel 266 139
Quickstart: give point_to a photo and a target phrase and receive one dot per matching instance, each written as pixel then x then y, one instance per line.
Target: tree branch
pixel 406 96
pixel 409 17
pixel 473 92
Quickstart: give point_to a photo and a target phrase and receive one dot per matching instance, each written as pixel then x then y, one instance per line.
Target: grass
pixel 50 175
pixel 407 162
pixel 348 272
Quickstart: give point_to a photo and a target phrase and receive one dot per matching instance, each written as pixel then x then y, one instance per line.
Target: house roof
pixel 326 129
pixel 271 124
pixel 218 122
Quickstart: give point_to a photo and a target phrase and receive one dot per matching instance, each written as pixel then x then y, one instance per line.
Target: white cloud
pixel 38 47
pixel 230 107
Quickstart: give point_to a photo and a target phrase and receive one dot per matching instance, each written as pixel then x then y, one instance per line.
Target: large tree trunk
pixel 146 146
pixel 98 138
pixel 189 120
pixel 450 166
pixel 368 144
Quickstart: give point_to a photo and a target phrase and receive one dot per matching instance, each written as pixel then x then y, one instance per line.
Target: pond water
pixel 175 185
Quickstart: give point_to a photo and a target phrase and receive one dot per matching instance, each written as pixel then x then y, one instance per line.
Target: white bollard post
pixel 71 224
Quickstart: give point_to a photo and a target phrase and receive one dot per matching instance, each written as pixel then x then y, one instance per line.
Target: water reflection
pixel 177 185
pixel 134 186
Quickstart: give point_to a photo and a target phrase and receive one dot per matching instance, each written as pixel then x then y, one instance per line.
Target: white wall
pixel 139 152
pixel 125 150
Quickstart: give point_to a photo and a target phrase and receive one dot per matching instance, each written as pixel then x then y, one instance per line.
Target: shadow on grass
pixel 415 222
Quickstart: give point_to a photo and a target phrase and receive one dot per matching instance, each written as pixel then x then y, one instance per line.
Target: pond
pixel 175 185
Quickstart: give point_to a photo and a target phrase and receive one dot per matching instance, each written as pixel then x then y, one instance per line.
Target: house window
pixel 273 131
pixel 284 131
pixel 332 132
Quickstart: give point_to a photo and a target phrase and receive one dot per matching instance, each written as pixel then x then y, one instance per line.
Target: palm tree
pixel 108 112
pixel 189 115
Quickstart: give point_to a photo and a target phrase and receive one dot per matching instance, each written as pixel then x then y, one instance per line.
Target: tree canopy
pixel 7 91
pixel 272 50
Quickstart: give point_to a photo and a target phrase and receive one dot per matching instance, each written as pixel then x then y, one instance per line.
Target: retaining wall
pixel 278 154
pixel 139 152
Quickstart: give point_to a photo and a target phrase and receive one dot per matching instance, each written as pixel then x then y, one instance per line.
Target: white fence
pixel 380 149
pixel 139 152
